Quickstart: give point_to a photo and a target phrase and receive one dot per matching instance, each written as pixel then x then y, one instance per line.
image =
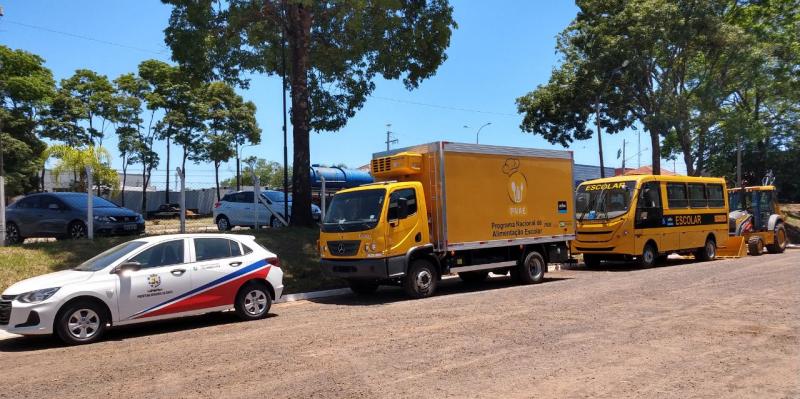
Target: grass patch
pixel 296 248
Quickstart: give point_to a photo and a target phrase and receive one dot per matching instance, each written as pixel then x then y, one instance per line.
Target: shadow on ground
pixel 448 286
pixel 615 266
pixel 122 333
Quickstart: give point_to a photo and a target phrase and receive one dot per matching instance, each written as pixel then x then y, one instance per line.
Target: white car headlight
pixel 37 296
pixel 104 219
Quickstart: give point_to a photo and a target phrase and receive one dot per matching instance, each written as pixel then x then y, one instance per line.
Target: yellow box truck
pixel 442 208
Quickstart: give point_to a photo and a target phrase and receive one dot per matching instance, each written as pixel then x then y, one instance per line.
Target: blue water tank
pixel 338 178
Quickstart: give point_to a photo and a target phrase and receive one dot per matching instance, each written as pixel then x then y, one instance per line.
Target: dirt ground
pixel 728 328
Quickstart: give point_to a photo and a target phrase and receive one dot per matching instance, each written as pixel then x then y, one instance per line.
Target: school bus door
pixel 649 214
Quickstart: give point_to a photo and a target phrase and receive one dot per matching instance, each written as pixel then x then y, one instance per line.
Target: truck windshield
pixel 354 211
pixel 603 200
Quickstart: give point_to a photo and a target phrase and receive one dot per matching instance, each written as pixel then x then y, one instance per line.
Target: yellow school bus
pixel 647 217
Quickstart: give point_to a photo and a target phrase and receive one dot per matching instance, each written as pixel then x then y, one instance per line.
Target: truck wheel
pixel 755 246
pixel 363 287
pixel 474 277
pixel 591 261
pixel 531 271
pixel 649 256
pixel 708 252
pixel 779 241
pixel 420 282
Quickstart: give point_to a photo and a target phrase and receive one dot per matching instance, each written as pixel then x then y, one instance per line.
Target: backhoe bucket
pixel 733 247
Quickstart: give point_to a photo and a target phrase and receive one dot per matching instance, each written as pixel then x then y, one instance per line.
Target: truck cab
pixel 368 231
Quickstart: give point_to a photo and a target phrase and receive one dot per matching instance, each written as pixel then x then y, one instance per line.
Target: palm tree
pixel 75 160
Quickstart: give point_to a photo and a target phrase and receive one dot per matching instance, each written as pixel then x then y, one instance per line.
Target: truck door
pixel 404 225
pixel 649 214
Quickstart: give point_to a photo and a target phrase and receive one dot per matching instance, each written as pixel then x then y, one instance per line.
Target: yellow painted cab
pixel 647 217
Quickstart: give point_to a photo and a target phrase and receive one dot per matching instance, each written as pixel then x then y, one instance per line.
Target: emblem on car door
pixel 154 280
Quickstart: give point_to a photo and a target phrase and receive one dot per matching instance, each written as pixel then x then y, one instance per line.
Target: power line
pixel 443 106
pixel 41 28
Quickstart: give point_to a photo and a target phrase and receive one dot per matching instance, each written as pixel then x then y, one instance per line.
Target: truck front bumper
pixel 365 269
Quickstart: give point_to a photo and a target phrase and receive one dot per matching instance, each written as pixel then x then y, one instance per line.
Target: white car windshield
pixel 108 257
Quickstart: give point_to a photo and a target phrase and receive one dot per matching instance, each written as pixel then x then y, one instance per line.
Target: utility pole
pixel 2 178
pixel 623 156
pixel 739 161
pixel 599 135
pixel 639 149
pixel 478 134
pixel 389 139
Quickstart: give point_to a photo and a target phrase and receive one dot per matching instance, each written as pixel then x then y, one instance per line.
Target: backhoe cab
pixel 755 216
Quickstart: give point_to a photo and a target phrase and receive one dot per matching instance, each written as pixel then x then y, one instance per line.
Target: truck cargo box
pixel 483 196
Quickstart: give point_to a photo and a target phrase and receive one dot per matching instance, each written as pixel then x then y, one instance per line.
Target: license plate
pixel 130 227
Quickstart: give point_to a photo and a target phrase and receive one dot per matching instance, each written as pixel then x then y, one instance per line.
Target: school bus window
pixel 715 195
pixel 676 195
pixel 697 195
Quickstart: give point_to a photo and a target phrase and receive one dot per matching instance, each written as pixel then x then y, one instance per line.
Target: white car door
pixel 163 279
pixel 222 265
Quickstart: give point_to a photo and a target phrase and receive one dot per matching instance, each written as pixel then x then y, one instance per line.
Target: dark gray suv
pixel 64 215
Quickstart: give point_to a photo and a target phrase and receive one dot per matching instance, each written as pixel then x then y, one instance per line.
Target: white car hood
pixel 52 280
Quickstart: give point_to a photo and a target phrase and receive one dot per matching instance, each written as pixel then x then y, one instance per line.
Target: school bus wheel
pixel 709 250
pixel 591 261
pixel 649 255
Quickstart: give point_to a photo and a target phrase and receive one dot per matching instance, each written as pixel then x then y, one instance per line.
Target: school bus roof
pixel 667 178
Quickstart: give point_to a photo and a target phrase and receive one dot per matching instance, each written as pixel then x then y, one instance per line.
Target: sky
pixel 501 50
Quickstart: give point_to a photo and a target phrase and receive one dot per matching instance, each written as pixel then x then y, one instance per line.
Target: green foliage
pixel 700 75
pixel 75 160
pixel 334 51
pixel 90 96
pixel 26 88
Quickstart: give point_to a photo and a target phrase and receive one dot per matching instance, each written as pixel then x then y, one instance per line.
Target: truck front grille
pixel 343 248
pixel 5 312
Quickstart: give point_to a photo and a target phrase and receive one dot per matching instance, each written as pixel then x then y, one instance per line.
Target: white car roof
pixel 167 237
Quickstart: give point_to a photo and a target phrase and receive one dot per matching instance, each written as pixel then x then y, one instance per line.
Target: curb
pixel 301 296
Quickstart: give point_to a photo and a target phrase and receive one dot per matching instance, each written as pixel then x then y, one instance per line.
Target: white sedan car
pixel 146 279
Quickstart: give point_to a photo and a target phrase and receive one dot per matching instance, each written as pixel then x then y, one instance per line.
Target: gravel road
pixel 728 328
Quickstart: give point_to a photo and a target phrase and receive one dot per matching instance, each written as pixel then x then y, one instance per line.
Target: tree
pixel 71 159
pixel 659 39
pixel 231 122
pixel 93 98
pixel 161 95
pixel 334 52
pixel 270 175
pixel 26 88
pixel 137 141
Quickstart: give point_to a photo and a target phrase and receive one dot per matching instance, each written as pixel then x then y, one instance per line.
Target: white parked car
pixel 146 279
pixel 236 209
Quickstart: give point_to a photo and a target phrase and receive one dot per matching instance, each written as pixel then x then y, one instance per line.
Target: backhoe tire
pixel 755 246
pixel 779 241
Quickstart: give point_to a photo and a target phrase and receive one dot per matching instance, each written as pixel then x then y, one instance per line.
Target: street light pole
pixel 478 134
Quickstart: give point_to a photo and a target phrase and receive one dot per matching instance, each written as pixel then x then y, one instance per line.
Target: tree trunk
pixel 299 33
pixel 166 190
pixel 124 179
pixel 655 145
pixel 216 177
pixel 701 150
pixel 144 188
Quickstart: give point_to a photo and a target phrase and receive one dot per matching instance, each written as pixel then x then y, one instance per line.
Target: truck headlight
pixel 37 296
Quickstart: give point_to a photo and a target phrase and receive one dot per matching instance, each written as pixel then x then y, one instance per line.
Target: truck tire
pixel 474 277
pixel 649 256
pixel 591 261
pixel 779 241
pixel 755 246
pixel 531 270
pixel 363 287
pixel 708 252
pixel 420 281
